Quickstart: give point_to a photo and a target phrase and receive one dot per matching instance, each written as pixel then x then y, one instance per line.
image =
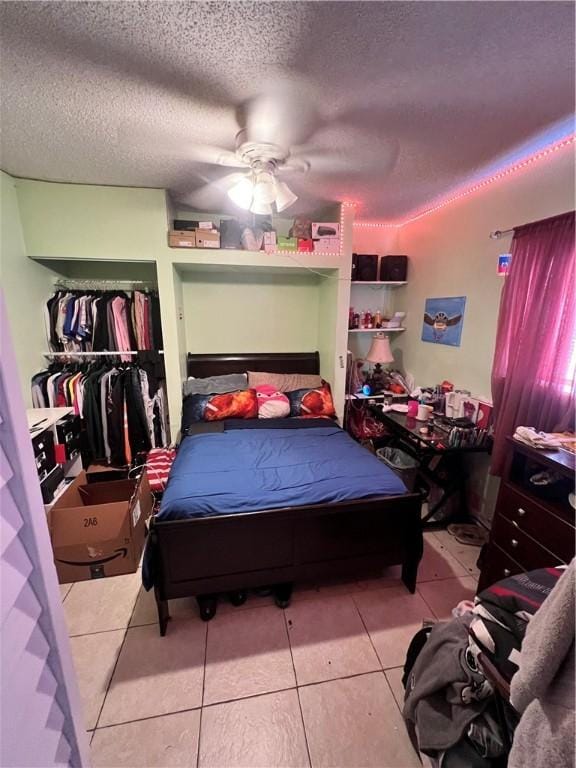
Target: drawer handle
pixel 514 542
pixel 507 571
pixel 521 512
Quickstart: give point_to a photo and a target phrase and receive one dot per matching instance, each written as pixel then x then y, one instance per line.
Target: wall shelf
pixel 375 330
pixel 379 283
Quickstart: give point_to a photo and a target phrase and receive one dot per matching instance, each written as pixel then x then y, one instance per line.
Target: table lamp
pixel 378 353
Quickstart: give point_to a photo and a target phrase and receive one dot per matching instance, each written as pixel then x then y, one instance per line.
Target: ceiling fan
pixel 283 136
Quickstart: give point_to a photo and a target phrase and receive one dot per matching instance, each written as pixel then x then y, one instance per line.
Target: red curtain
pixel 533 374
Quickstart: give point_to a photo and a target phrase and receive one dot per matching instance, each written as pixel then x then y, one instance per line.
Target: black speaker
pixel 365 266
pixel 230 234
pixel 394 269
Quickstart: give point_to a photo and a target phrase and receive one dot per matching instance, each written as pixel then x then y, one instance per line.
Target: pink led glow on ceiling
pixel 512 169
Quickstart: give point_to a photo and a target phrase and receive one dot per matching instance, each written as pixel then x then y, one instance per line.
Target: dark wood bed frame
pixel 207 556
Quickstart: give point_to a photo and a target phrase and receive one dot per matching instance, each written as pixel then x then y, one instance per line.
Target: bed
pixel 224 527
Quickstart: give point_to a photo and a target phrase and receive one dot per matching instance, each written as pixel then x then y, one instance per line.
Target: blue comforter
pixel 246 470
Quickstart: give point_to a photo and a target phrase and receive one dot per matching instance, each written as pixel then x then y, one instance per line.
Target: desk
pixel 437 463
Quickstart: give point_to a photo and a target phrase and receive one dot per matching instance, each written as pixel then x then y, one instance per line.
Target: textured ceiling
pixel 120 93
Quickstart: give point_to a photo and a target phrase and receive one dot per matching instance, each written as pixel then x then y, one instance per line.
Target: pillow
pixel 215 385
pixel 271 403
pixel 284 382
pixel 241 404
pixel 312 402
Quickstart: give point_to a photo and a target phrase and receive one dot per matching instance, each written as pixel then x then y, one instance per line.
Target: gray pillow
pixel 215 385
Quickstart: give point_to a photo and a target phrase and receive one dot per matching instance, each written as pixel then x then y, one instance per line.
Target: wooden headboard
pixel 200 366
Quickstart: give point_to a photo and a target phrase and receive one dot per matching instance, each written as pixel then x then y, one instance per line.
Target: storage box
pixel 327 245
pixel 322 229
pixel 181 239
pixel 287 244
pixel 98 530
pixel 207 238
pixel 102 473
pixel 185 225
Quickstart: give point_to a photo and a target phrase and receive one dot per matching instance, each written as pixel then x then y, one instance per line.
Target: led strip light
pixel 475 187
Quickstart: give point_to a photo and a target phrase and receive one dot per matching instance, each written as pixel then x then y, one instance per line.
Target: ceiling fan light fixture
pixel 264 188
pixel 260 208
pixel 284 196
pixel 242 193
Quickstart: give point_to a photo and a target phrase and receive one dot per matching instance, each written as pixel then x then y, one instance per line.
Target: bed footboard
pixel 203 557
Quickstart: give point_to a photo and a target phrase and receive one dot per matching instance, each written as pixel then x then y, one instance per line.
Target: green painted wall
pixel 26 287
pixel 236 312
pixel 74 221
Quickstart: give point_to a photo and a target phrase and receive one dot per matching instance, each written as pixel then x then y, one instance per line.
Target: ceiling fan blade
pixel 339 150
pixel 212 195
pixel 177 145
pixel 281 114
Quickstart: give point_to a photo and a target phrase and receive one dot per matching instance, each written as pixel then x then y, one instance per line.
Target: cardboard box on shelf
pixel 287 244
pixel 327 245
pixel 321 229
pixel 207 238
pixel 182 239
pixel 98 530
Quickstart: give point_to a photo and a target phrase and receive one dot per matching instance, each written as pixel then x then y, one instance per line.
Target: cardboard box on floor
pixel 98 530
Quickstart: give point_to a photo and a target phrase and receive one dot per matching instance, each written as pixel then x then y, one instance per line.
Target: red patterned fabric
pixel 158 466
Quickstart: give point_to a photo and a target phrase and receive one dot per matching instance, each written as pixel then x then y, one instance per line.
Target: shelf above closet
pixel 215 259
pixel 380 283
pixel 375 330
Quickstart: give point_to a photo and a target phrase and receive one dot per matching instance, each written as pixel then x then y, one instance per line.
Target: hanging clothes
pixel 123 410
pixel 116 321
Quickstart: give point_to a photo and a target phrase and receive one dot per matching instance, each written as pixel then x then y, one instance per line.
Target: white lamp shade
pixel 380 351
pixel 264 189
pixel 284 196
pixel 242 193
pixel 261 209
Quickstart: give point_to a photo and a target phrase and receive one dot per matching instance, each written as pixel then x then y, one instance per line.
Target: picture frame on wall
pixel 443 320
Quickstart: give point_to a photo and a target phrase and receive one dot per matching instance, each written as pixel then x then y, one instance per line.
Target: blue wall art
pixel 443 320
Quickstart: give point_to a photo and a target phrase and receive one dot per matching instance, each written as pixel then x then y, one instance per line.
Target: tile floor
pixel 318 684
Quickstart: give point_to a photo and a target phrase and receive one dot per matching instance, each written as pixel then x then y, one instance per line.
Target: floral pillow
pixel 312 402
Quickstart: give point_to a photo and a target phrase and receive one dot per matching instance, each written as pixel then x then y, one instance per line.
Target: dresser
pixel 534 523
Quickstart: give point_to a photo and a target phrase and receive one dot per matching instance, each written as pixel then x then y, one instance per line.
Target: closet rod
pixel 101 354
pixel 67 283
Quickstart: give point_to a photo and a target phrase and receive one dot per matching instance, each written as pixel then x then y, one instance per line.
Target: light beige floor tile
pixel 444 595
pixel 170 741
pixel 390 577
pixel 394 677
pixel 437 562
pixel 392 617
pixel 261 732
pixel 64 589
pixel 94 659
pixel 464 553
pixel 247 653
pixel 145 609
pixel 355 722
pixel 157 675
pixel 328 640
pixel 101 604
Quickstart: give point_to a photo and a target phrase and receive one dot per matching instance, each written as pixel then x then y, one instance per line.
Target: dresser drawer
pixel 499 565
pixel 520 546
pixel 531 517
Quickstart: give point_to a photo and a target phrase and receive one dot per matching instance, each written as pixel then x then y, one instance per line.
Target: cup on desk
pixel 412 408
pixel 424 412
